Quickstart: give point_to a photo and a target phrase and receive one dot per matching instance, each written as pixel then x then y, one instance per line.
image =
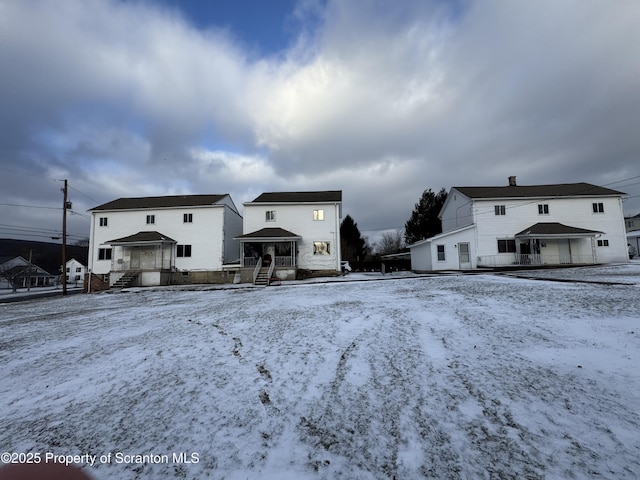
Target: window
pixel 103 221
pixel 188 218
pixel 68 269
pixel 104 254
pixel 318 215
pixel 500 210
pixel 506 246
pixel 151 219
pixel 321 248
pixel 441 256
pixel 543 209
pixel 184 251
pixel 603 243
pixel 78 269
pixel 270 216
pixel 598 207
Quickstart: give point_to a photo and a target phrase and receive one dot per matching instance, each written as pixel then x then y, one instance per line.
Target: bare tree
pixel 391 242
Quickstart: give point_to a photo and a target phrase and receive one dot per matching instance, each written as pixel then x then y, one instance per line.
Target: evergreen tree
pixel 353 246
pixel 424 221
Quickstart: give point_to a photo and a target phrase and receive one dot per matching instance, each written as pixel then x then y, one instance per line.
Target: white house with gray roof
pixel 164 240
pixel 525 225
pixel 288 231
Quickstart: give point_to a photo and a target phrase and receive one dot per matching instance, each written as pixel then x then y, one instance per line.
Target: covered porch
pixel 271 248
pixel 146 257
pixel 547 244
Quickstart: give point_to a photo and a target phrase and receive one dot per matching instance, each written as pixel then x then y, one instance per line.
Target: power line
pixel 29 206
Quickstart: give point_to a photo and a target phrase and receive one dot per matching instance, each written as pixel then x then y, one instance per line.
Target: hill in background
pixel 43 254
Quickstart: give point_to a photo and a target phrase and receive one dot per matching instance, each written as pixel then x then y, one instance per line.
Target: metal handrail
pixel 271 266
pixel 256 270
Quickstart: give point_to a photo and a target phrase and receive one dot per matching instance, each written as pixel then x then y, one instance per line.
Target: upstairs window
pixel 151 219
pixel 103 221
pixel 318 215
pixel 183 251
pixel 543 209
pixel 500 210
pixel 603 243
pixel 187 218
pixel 598 207
pixel 270 216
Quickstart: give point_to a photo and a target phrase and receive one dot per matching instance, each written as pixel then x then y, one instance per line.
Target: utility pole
pixel 64 240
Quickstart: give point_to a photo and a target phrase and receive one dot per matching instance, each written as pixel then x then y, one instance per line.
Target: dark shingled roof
pixel 161 202
pixel 300 197
pixel 554 228
pixel 143 237
pixel 532 191
pixel 269 233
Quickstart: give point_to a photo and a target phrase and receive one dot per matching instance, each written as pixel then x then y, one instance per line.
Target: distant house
pixel 17 272
pixel 288 231
pixel 75 271
pixel 515 225
pixel 632 223
pixel 165 240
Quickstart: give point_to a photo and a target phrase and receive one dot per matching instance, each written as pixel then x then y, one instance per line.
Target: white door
pixel 564 250
pixel 464 255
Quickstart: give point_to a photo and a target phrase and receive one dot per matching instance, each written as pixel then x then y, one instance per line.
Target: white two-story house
pixel 288 231
pixel 164 240
pixel 514 225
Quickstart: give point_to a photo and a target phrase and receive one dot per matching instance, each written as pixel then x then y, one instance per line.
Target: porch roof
pixel 142 238
pixel 269 235
pixel 555 230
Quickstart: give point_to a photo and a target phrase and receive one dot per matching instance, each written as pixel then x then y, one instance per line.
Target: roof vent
pixel 512 181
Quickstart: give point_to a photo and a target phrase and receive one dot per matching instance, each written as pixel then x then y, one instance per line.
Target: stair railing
pixel 256 269
pixel 271 266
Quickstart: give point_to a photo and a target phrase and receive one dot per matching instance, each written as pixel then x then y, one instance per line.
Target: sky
pixel 382 100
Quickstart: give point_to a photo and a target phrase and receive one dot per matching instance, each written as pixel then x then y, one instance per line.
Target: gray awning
pixel 269 235
pixel 141 239
pixel 556 230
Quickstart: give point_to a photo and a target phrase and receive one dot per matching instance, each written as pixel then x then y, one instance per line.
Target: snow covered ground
pixel 470 377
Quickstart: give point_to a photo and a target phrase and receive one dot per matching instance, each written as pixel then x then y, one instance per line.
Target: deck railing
pixel 521 259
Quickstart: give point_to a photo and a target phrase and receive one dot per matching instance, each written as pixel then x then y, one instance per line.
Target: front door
pixel 564 250
pixel 464 255
pixel 135 258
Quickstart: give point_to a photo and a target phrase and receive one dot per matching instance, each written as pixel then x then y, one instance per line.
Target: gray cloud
pixel 382 100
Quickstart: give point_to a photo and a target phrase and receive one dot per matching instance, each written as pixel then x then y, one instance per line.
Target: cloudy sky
pixel 379 99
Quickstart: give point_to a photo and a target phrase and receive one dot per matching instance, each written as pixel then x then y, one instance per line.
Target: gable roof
pixel 300 197
pixel 161 202
pixel 532 191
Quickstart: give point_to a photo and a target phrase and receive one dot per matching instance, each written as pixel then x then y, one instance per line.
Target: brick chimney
pixel 512 181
